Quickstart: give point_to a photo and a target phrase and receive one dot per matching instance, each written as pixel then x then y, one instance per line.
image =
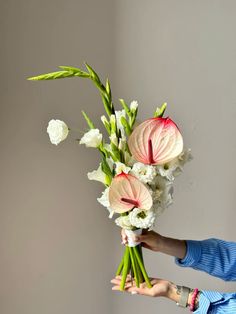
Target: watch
pixel 183 301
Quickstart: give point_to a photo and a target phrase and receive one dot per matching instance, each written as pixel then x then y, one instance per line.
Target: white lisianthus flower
pixel 167 170
pixel 57 130
pixel 123 222
pixel 145 173
pixel 104 200
pixel 162 194
pixel 143 219
pixel 92 138
pixel 173 168
pixel 119 114
pixel 120 167
pixel 133 105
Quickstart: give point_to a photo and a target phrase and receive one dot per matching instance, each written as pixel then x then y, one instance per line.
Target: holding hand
pixel 149 239
pixel 159 287
pixel 155 242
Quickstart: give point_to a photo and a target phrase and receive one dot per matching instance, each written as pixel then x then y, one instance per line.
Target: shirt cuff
pixel 211 297
pixel 193 254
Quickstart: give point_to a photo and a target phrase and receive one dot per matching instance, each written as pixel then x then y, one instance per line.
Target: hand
pixel 149 239
pixel 160 288
pixel 156 242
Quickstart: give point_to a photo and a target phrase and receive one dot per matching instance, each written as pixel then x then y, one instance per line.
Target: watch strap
pixel 183 302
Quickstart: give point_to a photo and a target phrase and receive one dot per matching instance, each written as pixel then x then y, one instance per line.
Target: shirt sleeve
pixel 213 302
pixel 213 256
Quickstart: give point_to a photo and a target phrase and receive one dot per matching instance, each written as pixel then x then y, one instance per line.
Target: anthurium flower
pixel 156 141
pixel 127 192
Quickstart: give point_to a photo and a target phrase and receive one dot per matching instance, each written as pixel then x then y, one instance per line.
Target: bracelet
pixel 183 302
pixel 192 305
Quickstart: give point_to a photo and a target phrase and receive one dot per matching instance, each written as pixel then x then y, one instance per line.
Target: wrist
pixel 173 292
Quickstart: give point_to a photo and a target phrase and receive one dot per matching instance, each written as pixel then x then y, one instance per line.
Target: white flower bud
pixel 133 106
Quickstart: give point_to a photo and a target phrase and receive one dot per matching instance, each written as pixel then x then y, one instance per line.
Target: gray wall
pixel 58 249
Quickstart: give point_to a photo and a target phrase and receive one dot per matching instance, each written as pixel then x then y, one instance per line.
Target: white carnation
pixel 120 167
pixel 145 173
pixel 92 138
pixel 104 200
pixel 57 131
pixel 143 219
pixel 123 222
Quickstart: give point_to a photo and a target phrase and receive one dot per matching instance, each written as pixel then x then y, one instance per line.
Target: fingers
pixel 124 237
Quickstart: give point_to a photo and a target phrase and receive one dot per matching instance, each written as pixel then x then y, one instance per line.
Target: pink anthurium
pixel 156 141
pixel 127 192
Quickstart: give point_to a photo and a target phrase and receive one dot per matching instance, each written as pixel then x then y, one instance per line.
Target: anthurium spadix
pixel 127 192
pixel 156 141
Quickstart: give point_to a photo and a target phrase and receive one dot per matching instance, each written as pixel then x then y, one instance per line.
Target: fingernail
pixel 134 292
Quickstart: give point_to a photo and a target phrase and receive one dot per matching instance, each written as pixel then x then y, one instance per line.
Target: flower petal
pixel 156 141
pixel 127 192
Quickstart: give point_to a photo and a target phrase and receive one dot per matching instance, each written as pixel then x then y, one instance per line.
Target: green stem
pixel 126 268
pixel 140 251
pixel 149 285
pixel 119 269
pixel 141 279
pixel 134 266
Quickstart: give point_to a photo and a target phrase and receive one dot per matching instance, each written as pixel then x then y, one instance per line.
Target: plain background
pixel 58 249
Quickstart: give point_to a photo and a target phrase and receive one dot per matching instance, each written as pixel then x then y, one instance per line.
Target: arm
pixel 207 302
pixel 213 256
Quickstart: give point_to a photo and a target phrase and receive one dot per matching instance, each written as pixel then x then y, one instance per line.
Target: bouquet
pixel 139 163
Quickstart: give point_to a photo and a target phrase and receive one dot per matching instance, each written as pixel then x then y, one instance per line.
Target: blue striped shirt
pixel 217 258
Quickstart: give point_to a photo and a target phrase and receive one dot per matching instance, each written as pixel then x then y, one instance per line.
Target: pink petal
pixel 127 192
pixel 156 141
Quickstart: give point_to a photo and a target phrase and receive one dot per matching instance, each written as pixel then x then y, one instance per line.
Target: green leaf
pixel 88 120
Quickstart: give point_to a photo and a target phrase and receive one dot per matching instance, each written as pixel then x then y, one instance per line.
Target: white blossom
pixel 122 143
pixel 119 114
pixel 143 219
pixel 57 130
pixel 104 200
pixel 145 173
pixel 162 194
pixel 123 222
pixel 120 167
pixel 97 175
pixel 173 168
pixel 113 138
pixel 92 138
pixel 134 105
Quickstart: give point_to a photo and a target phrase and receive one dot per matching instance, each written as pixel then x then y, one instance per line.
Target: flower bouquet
pixel 138 165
